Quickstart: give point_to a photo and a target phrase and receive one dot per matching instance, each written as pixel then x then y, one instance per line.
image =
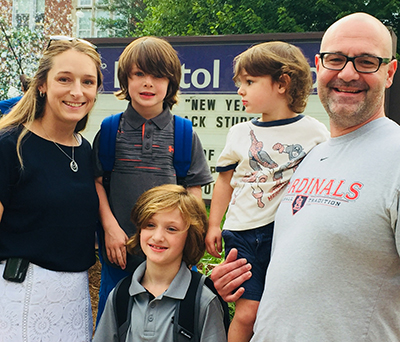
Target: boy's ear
pixel 283 83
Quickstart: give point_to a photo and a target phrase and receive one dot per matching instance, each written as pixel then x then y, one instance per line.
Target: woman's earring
pixel 41 94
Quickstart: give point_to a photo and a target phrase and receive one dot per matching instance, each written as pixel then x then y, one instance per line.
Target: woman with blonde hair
pixel 48 201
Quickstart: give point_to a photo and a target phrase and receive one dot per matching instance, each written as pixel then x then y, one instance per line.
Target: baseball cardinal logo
pixel 298 203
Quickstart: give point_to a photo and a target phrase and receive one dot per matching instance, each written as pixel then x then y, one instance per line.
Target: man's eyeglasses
pixel 70 39
pixel 365 64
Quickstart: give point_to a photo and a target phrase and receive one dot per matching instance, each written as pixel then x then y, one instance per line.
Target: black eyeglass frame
pixel 352 59
pixel 70 39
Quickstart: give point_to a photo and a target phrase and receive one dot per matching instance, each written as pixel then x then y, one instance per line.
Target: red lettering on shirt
pixel 354 189
pixel 325 187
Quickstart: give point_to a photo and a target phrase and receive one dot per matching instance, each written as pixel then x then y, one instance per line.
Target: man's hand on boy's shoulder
pixel 229 275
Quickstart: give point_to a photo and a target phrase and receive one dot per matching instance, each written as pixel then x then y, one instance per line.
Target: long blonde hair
pixel 31 106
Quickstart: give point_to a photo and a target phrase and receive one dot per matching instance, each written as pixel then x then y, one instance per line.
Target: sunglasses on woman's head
pixel 70 39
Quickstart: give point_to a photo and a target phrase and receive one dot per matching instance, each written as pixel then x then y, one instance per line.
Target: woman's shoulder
pixel 83 142
pixel 10 131
pixel 10 134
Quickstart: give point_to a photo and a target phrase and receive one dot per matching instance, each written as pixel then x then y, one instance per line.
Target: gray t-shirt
pixel 334 274
pixel 144 159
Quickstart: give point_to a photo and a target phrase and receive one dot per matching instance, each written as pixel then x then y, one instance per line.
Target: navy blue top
pixel 50 212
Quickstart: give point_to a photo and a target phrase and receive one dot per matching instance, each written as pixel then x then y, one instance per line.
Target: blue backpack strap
pixel 182 143
pixel 108 135
pixel 182 146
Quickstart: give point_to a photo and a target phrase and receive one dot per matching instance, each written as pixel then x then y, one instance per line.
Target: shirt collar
pixel 176 290
pixel 135 120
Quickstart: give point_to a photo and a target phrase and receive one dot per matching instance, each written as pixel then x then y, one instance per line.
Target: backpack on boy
pixel 187 310
pixel 182 159
pixel 183 131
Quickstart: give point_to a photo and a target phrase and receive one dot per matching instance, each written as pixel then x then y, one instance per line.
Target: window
pixel 28 13
pixel 84 23
pixel 86 12
pixel 85 3
pixel 101 14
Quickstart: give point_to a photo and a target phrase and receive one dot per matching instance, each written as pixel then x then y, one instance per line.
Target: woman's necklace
pixel 73 164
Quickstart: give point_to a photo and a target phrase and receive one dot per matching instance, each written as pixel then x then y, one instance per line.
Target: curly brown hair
pixel 277 59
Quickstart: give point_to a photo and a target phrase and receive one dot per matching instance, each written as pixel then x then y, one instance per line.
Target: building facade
pixel 61 17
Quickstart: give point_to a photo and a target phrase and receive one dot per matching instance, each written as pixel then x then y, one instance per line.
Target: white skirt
pixel 48 306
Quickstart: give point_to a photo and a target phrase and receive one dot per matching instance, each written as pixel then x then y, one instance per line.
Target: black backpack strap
pixel 227 319
pixel 122 306
pixel 187 312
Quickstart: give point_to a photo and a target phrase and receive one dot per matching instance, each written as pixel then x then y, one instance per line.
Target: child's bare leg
pixel 241 327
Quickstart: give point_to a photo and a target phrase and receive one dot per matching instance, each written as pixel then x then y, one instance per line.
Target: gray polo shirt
pixel 151 318
pixel 144 159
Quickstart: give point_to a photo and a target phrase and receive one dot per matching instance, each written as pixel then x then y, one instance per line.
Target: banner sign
pixel 206 69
